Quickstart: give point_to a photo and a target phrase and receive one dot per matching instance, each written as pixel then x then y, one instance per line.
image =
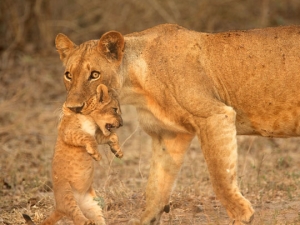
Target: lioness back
pixel 256 72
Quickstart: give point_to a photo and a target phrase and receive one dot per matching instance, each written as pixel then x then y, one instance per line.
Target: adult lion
pixel 184 83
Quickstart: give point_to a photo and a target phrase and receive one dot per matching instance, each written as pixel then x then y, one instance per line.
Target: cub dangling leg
pixel 113 141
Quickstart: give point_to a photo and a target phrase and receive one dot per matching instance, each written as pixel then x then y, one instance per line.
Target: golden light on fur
pixel 185 84
pixel 75 151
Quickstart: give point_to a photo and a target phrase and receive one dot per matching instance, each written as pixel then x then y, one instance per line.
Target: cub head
pixel 106 112
pixel 88 65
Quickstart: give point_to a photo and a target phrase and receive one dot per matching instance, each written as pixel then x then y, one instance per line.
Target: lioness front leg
pixel 167 158
pixel 219 146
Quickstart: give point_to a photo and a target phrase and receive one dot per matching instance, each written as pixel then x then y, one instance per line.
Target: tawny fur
pixel 73 160
pixel 185 84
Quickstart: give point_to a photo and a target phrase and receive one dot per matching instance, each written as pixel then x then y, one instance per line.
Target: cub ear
pixel 111 45
pixel 64 46
pixel 102 94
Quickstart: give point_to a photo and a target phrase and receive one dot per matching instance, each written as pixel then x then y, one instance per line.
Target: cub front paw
pixel 118 153
pixel 94 153
pixel 96 156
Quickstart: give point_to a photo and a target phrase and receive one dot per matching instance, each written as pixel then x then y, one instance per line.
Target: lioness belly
pixel 272 122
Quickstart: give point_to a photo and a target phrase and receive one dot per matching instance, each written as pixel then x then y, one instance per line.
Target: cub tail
pixel 28 219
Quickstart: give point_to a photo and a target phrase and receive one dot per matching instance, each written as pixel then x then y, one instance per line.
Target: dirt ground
pixel 31 95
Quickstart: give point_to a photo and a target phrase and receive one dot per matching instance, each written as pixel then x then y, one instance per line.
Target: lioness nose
pixel 121 122
pixel 77 109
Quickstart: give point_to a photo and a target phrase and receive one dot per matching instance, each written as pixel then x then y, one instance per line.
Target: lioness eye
pixel 68 76
pixel 94 75
pixel 115 109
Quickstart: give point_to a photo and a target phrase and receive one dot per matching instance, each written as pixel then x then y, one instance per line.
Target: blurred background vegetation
pixel 30 26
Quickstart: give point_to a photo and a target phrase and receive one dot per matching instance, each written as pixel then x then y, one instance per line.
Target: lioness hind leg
pixel 167 158
pixel 219 146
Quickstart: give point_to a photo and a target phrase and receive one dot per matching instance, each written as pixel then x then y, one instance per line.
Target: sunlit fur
pixel 73 160
pixel 185 84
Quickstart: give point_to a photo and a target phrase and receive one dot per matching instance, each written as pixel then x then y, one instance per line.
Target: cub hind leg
pixel 67 204
pixel 90 207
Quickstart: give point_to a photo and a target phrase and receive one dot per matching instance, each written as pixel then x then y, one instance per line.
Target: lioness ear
pixel 102 94
pixel 111 45
pixel 63 45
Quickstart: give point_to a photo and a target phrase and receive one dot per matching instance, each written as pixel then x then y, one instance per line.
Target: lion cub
pixel 73 166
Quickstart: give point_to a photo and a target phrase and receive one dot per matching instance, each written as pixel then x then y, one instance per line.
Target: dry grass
pixel 31 94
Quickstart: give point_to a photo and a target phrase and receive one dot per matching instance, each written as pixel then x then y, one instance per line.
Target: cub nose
pixel 76 109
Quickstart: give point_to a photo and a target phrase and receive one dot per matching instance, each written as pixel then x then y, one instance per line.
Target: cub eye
pixel 115 109
pixel 68 76
pixel 94 75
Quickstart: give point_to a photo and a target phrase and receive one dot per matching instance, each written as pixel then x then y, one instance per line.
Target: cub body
pixel 73 160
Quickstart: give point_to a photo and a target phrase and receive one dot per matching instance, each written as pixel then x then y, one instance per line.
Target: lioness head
pixel 88 65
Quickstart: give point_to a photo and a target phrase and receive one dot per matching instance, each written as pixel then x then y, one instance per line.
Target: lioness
pixel 73 166
pixel 185 83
